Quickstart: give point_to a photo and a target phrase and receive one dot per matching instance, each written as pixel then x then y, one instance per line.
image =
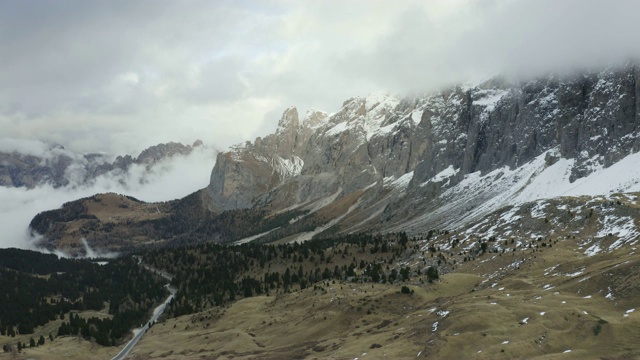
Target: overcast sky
pixel 119 76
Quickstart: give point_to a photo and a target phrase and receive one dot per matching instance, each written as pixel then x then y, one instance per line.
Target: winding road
pixel 156 314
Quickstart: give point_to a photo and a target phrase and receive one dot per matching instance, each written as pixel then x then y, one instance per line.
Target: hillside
pixel 48 299
pixel 555 279
pixel 547 279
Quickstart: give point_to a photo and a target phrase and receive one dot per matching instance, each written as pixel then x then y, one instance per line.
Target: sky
pixel 118 76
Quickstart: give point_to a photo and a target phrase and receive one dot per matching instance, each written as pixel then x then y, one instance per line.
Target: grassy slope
pixel 559 290
pixel 61 348
pixel 344 321
pixel 482 316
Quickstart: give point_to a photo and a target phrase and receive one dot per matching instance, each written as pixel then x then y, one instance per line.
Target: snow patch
pixel 338 129
pixel 442 175
pixel 416 116
pixel 400 183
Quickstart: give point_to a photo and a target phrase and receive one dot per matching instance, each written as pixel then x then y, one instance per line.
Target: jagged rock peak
pixel 314 118
pixel 157 152
pixel 289 121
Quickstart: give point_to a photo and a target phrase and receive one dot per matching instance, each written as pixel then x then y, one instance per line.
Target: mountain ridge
pixel 442 160
pixel 401 149
pixel 30 164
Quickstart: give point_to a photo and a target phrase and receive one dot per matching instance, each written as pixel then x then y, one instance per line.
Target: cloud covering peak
pixel 119 76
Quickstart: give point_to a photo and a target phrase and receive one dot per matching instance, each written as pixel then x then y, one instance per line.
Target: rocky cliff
pixel 407 160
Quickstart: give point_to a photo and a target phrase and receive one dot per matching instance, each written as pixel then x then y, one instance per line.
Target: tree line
pixel 212 274
pixel 39 288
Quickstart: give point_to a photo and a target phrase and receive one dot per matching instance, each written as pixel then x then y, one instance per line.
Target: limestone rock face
pixel 249 171
pixel 404 153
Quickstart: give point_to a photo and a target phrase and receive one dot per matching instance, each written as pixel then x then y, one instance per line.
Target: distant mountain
pixel 442 160
pixel 25 163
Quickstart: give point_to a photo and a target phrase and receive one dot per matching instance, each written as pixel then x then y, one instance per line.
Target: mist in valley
pixel 167 180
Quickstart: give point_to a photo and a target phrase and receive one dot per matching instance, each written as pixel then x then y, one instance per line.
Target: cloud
pixel 486 38
pixel 25 146
pixel 170 179
pixel 119 76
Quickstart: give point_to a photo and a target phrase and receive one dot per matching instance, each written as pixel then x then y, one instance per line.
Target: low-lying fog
pixel 170 179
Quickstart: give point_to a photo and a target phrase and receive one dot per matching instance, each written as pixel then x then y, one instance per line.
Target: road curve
pixel 156 314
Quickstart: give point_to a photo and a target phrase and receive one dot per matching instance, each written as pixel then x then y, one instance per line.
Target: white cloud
pixel 119 76
pixel 24 146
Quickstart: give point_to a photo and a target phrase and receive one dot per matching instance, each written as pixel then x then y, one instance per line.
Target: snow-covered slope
pixel 477 195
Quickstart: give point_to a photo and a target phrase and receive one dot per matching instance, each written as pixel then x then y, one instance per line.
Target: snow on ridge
pixel 489 98
pixel 288 167
pixel 403 181
pixel 400 183
pixel 378 106
pixel 380 101
pixel 481 194
pixel 307 120
pixel 370 123
pixel 337 129
pixel 416 116
pixel 624 228
pixel 623 176
pixel 538 210
pixel 442 175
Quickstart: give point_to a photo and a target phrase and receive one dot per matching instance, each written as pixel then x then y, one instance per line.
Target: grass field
pixel 557 303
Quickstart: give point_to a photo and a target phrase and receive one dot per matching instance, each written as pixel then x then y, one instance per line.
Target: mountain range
pixel 496 220
pixel 29 164
pixel 386 164
pixel 446 158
